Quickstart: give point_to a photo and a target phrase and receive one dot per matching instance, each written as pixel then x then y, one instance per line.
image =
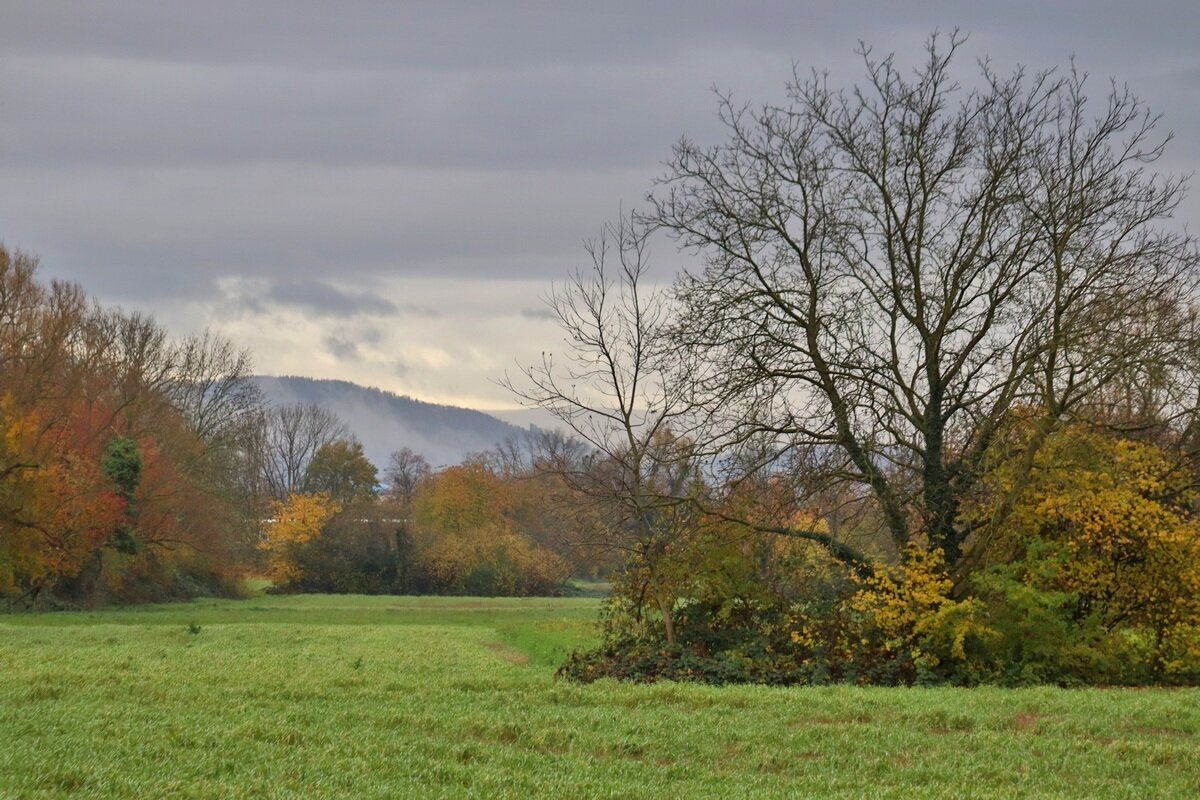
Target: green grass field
pixel 356 697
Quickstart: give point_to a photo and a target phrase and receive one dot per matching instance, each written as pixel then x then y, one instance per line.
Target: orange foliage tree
pixel 465 541
pixel 58 508
pixel 77 380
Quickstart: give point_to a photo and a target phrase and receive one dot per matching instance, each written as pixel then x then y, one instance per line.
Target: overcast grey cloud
pixel 294 173
pixel 325 300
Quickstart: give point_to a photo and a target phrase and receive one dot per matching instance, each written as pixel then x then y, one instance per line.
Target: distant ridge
pixel 385 421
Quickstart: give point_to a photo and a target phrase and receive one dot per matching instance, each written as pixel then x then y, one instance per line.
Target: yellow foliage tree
pixel 1109 523
pixel 294 522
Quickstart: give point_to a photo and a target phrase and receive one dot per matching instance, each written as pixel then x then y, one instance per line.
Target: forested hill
pixel 385 421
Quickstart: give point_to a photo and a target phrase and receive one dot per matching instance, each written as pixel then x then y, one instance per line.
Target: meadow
pixel 397 697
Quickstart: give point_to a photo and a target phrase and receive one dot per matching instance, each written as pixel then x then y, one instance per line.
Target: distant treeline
pixel 138 467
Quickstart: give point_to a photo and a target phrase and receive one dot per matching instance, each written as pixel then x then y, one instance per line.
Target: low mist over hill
pixel 385 421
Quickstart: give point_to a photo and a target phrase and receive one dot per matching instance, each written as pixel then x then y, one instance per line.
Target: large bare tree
pixel 890 272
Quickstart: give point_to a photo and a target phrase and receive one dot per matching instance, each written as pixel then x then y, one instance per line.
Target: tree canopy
pixel 903 300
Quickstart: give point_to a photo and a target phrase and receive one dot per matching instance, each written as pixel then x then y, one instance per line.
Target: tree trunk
pixel 663 608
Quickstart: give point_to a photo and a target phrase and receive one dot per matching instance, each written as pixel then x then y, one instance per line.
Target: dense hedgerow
pixel 1095 581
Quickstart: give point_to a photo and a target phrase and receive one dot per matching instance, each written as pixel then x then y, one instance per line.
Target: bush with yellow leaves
pixel 908 629
pixel 1095 577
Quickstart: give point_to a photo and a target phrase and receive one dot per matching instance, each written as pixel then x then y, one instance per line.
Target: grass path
pixel 311 697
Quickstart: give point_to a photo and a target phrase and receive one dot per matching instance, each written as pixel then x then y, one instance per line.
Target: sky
pixel 382 192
